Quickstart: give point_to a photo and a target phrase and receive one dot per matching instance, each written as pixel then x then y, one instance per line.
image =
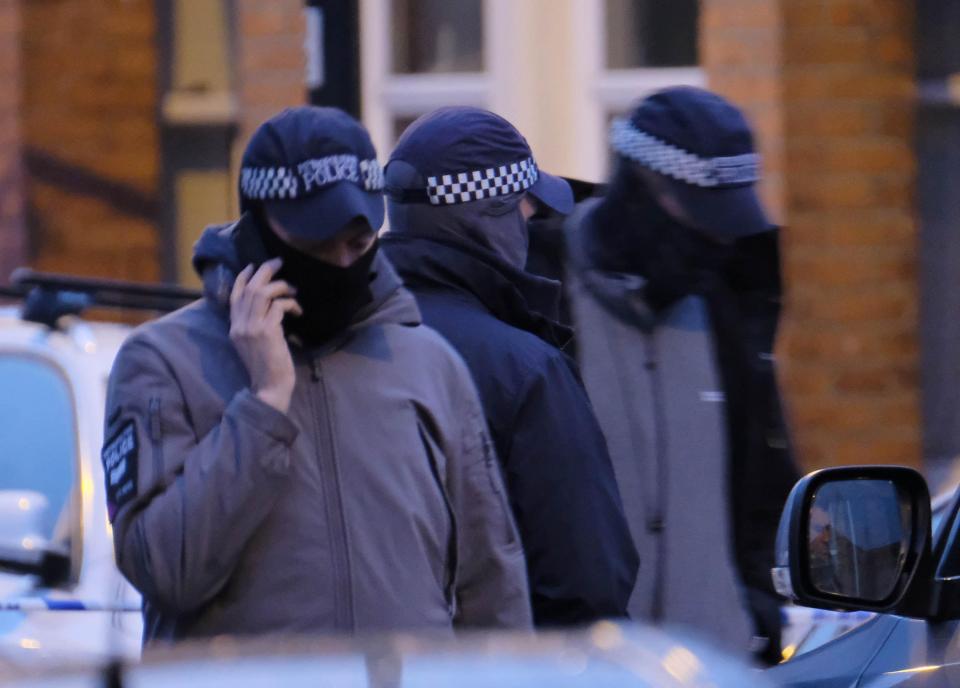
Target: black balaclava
pixel 634 234
pixel 492 224
pixel 330 295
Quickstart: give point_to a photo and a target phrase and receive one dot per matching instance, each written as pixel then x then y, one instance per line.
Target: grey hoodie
pixel 657 391
pixel 374 504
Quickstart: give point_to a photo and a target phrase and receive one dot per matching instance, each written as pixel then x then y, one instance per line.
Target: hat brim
pixel 724 214
pixel 324 214
pixel 554 192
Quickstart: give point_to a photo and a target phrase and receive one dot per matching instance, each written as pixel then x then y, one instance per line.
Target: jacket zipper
pixel 333 499
pixel 656 513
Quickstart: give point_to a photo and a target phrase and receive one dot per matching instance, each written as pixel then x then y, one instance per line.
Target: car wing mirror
pixel 857 538
pixel 24 549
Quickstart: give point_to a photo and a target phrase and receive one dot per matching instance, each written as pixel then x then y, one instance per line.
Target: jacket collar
pixel 217 261
pixel 525 301
pixel 621 293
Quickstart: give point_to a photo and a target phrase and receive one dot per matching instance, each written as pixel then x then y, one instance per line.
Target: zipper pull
pixel 655 524
pixel 315 369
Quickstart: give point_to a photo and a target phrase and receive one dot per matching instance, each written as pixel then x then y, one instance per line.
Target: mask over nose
pixel 494 224
pixel 634 234
pixel 330 295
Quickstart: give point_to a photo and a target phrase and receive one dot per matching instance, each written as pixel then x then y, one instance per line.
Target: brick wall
pixel 270 59
pixel 834 110
pixel 11 206
pixel 91 133
pixel 741 48
pixel 91 137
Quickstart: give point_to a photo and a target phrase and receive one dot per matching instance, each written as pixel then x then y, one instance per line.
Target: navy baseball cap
pixel 314 169
pixel 702 148
pixel 464 154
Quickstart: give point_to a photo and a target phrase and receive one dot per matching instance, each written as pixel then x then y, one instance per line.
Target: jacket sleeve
pixel 581 557
pixel 182 506
pixel 491 587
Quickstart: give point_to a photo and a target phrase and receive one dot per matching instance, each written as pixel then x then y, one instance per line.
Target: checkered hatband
pixel 309 177
pixel 461 187
pixel 261 183
pixel 682 165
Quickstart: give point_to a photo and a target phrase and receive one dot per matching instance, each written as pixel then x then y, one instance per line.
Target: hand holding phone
pixel 258 304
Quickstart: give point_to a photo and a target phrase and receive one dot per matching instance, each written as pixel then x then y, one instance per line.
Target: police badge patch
pixel 120 468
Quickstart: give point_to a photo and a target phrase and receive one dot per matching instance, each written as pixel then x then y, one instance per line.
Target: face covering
pixel 636 235
pixel 330 295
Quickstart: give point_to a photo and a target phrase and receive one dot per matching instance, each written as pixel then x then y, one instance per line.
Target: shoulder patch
pixel 120 467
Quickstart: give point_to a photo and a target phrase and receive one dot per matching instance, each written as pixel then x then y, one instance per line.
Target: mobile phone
pixel 250 248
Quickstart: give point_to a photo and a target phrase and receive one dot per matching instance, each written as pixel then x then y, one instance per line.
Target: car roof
pixel 94 341
pixel 606 654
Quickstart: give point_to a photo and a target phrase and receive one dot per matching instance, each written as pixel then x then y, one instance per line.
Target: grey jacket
pixel 374 504
pixel 657 393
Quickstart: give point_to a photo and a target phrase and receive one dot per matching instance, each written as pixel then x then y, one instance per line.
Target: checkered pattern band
pixel 309 177
pixel 461 187
pixel 682 165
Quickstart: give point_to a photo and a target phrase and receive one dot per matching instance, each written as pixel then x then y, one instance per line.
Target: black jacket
pixel 580 558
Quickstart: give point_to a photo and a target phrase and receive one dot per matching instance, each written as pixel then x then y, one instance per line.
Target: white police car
pixel 62 599
pixel 607 655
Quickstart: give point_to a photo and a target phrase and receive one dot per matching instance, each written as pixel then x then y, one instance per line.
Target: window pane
pixel 651 33
pixel 431 36
pixel 37 441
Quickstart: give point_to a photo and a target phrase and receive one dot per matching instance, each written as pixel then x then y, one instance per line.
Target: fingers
pixel 277 289
pixel 239 285
pixel 280 307
pixel 265 273
pixel 255 307
pixel 260 298
pixel 251 296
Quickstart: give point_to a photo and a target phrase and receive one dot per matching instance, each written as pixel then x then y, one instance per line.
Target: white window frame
pixel 567 129
pixel 611 90
pixel 387 96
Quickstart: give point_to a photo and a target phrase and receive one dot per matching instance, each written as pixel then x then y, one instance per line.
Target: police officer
pixel 294 452
pixel 675 294
pixel 462 183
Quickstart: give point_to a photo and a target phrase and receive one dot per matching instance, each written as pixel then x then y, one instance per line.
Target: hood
pixel 217 261
pixel 494 224
pixel 751 268
pixel 437 260
pixel 621 293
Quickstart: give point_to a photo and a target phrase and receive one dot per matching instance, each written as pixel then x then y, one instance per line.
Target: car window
pixel 38 446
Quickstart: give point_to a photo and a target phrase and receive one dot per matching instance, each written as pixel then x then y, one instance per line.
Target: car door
pixel 50 430
pixel 891 650
pixel 920 652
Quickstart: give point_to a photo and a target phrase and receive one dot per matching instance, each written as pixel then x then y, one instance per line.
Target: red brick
pixel 12 238
pixel 274 55
pixel 877 381
pixel 852 13
pixel 894 15
pixel 742 47
pixel 835 227
pixel 831 119
pixel 718 15
pixel 843 82
pixel 899 449
pixel 91 101
pixel 863 155
pixel 820 46
pixel 875 305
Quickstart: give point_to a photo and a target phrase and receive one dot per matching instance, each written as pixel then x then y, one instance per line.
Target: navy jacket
pixel 580 558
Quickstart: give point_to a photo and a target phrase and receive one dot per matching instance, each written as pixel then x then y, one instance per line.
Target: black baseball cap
pixel 465 154
pixel 314 169
pixel 702 148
